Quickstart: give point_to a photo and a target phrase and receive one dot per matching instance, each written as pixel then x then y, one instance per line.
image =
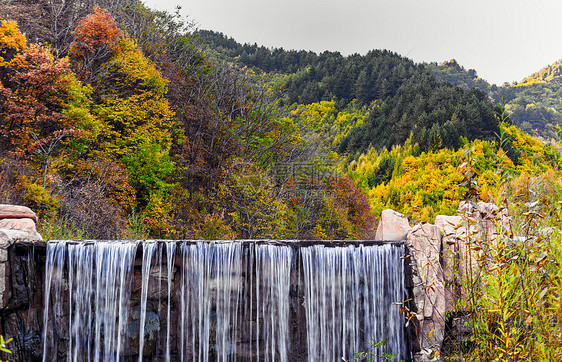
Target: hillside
pixel 162 128
pixel 116 123
pixel 533 104
pixel 453 72
pixel 409 99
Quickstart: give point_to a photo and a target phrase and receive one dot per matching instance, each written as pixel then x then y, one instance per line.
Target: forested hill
pixel 116 122
pixel 451 71
pixel 409 99
pixel 533 104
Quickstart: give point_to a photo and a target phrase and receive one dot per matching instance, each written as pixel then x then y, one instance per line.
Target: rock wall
pixel 442 257
pixel 18 223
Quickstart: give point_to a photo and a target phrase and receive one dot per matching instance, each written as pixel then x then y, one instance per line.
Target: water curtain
pixel 221 301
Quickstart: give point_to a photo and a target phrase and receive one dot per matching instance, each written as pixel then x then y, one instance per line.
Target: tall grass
pixel 60 228
pixel 512 301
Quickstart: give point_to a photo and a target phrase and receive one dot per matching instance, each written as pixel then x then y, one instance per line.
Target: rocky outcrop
pixel 393 226
pixel 424 244
pixel 444 257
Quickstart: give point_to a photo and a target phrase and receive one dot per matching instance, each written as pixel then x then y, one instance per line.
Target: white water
pixel 99 280
pixel 147 256
pixel 170 253
pixel 53 270
pixel 234 301
pixel 351 295
pixel 273 279
pixel 211 275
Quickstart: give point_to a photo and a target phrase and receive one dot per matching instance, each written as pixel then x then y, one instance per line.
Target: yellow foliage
pixel 40 199
pixel 12 42
pixel 156 217
pixel 324 119
pixel 133 110
pixel 422 186
pixel 135 120
pixel 214 227
pixel 419 186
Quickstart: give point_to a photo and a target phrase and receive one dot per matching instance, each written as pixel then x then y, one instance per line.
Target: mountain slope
pixel 533 104
pixel 409 98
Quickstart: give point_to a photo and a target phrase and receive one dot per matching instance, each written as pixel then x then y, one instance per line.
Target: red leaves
pixel 96 39
pixel 347 194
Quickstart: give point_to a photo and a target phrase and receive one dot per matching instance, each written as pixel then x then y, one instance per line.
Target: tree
pixel 129 101
pixel 95 41
pixel 42 104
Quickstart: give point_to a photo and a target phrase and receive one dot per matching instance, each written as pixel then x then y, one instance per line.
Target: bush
pixel 513 305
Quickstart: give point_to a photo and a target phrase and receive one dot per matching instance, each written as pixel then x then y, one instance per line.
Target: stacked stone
pixel 17 222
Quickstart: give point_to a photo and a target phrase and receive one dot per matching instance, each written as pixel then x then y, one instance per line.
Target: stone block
pixel 26 225
pixel 424 243
pixel 16 212
pixel 393 226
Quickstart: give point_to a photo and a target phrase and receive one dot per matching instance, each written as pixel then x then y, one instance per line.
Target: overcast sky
pixel 503 40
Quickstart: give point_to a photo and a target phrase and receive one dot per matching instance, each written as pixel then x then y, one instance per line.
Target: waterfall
pixel 211 275
pixel 148 254
pixel 170 251
pixel 98 289
pixel 273 272
pixel 351 297
pixel 221 301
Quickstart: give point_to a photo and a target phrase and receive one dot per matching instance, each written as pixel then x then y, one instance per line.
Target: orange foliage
pixel 37 95
pixel 96 31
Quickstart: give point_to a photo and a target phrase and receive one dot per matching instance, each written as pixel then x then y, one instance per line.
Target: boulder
pixel 16 212
pixel 26 225
pixel 393 226
pixel 424 244
pixel 8 237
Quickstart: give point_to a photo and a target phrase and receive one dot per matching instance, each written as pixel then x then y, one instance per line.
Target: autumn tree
pixel 42 104
pixel 95 41
pixel 129 100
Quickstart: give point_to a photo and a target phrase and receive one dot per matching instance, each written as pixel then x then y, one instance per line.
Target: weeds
pixel 376 352
pixel 512 285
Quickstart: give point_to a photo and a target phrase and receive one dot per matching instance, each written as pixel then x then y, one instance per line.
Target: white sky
pixel 503 40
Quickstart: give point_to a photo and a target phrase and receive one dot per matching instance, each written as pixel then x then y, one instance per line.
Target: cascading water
pixel 273 274
pixel 350 300
pixel 220 301
pixel 170 253
pixel 98 290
